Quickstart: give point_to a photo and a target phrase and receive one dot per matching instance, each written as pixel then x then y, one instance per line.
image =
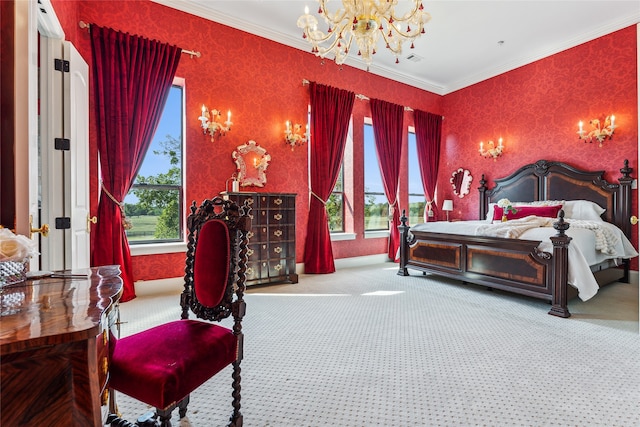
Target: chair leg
pixel 182 406
pixel 164 416
pixel 236 416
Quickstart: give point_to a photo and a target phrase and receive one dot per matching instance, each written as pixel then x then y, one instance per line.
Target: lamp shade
pixel 447 205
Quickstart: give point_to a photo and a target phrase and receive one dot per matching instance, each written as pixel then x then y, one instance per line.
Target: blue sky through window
pixel 170 124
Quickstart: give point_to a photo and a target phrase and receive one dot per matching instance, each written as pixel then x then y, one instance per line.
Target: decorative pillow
pixel 523 211
pixel 583 210
pixel 491 214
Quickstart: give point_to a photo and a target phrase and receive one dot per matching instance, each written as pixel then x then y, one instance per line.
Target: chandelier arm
pixel 393 46
pixel 400 32
pixel 333 19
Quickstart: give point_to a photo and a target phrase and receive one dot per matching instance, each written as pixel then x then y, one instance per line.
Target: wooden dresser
pixel 54 345
pixel 272 239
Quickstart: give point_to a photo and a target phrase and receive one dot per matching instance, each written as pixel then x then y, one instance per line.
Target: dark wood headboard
pixel 544 180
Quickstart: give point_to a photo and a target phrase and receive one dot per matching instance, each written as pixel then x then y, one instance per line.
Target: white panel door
pixel 76 129
pixel 50 175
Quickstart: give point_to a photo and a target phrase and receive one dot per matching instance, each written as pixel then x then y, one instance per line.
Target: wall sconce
pixel 491 151
pixel 213 123
pixel 295 136
pixel 599 132
pixel 447 206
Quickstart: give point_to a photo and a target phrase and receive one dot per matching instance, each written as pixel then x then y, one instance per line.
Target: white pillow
pixel 489 217
pixel 583 210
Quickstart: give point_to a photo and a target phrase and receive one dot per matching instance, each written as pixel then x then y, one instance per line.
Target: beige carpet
pixel 365 347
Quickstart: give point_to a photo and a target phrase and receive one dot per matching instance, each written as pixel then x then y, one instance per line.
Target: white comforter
pixel 592 242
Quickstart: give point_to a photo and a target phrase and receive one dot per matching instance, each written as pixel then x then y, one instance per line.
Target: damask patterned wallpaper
pixel 536 109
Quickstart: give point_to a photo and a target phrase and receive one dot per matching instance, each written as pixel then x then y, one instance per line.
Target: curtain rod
pixel 361 97
pixel 191 53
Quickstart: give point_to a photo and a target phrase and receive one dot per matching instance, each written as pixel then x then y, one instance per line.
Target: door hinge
pixel 61 65
pixel 62 144
pixel 63 223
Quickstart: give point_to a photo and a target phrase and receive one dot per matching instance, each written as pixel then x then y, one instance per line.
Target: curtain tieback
pixel 318 197
pixel 126 222
pixel 392 209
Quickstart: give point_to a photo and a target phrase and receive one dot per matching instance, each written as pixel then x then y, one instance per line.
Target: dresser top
pixel 56 308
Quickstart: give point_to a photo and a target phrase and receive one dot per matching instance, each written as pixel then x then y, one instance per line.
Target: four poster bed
pixel 542 260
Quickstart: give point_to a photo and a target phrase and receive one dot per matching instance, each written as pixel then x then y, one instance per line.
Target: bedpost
pixel 483 198
pixel 560 268
pixel 404 229
pixel 624 207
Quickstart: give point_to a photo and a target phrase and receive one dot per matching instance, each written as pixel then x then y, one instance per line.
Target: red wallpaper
pixel 536 108
pixel 259 81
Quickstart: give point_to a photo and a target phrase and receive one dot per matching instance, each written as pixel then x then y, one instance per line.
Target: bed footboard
pixel 509 264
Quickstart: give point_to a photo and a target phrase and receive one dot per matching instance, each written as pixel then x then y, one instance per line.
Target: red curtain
pixel 387 130
pixel 132 77
pixel 330 115
pixel 428 128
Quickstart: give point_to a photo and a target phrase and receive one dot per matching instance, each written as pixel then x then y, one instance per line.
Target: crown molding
pixel 382 71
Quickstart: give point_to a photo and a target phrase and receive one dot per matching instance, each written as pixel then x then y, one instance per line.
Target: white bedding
pixel 582 250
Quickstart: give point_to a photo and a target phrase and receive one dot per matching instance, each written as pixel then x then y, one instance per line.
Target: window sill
pixel 158 248
pixel 376 234
pixel 337 237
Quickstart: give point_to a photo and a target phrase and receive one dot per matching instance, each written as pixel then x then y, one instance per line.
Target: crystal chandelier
pixel 365 21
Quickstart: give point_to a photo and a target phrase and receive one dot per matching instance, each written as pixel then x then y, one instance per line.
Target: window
pixel 335 205
pixel 154 205
pixel 376 206
pixel 417 201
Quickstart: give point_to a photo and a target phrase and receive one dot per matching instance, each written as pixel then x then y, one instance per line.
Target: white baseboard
pixel 172 285
pixel 360 261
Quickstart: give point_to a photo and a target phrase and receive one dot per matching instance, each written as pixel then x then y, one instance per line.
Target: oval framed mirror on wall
pixel 461 182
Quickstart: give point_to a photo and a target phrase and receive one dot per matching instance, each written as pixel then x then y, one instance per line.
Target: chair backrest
pixel 216 258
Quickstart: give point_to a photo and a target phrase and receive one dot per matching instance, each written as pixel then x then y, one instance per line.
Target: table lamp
pixel 447 206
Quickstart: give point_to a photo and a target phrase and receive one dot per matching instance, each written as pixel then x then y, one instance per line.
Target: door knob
pixel 91 219
pixel 43 230
pixel 634 220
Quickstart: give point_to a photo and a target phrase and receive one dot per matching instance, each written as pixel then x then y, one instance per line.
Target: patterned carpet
pixel 365 347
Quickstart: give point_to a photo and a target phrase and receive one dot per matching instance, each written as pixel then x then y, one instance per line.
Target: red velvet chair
pixel 161 366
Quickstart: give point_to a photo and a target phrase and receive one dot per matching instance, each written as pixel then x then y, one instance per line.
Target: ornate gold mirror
pixel 461 182
pixel 252 162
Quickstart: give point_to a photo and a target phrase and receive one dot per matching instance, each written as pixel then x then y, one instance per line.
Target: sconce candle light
pixel 295 136
pixel 212 123
pixel 492 151
pixel 599 131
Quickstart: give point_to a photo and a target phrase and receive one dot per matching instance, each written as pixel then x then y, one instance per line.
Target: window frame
pixel 411 131
pixel 157 246
pixel 371 232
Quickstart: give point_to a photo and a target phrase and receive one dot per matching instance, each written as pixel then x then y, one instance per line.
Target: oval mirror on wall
pixel 461 182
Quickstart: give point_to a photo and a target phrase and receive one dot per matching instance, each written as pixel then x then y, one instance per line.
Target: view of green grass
pixel 144 227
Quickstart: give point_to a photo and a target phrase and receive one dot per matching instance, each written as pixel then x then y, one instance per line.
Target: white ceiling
pixel 461 45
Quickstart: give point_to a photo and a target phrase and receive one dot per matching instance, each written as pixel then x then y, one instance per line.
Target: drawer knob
pixel 278 201
pixel 277 249
pixel 249 252
pixel 278 217
pixel 277 233
pixel 249 234
pixel 278 267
